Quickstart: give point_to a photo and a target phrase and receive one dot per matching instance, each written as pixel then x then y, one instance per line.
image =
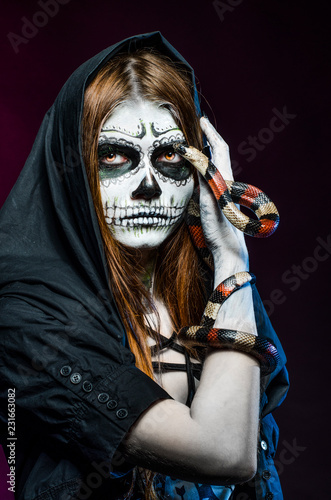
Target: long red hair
pixel 178 280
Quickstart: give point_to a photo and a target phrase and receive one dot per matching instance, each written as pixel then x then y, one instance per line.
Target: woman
pixel 98 267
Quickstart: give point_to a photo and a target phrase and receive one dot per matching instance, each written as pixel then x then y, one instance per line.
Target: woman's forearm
pixel 227 402
pixel 215 440
pixel 237 312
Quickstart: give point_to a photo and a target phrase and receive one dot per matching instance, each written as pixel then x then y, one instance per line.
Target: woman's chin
pixel 141 236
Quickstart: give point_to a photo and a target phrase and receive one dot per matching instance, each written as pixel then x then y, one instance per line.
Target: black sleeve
pixel 275 385
pixel 83 391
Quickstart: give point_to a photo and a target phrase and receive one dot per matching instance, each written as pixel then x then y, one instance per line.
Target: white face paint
pixel 145 185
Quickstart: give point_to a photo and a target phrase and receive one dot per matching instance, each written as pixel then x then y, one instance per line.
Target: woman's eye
pixel 169 156
pixel 113 159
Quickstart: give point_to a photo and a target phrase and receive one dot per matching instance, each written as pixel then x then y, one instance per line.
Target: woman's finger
pixel 219 148
pixel 214 138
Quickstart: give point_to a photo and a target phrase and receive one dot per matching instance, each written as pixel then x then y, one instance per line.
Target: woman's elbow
pixel 244 472
pixel 230 469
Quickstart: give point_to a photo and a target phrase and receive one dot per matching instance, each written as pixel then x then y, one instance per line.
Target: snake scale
pixel 227 194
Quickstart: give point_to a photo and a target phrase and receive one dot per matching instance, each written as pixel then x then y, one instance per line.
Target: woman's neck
pixel 146 260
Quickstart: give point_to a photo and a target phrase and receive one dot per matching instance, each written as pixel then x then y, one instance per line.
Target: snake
pixel 205 335
pixel 228 194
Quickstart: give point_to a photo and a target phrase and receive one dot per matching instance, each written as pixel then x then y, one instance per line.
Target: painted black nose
pixel 147 189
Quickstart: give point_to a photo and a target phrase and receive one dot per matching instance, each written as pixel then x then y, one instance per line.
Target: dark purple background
pixel 258 57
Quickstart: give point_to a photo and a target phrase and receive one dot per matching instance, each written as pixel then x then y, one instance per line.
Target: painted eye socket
pixel 171 164
pixel 115 160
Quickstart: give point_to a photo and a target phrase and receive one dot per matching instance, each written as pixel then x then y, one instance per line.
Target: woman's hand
pixel 226 243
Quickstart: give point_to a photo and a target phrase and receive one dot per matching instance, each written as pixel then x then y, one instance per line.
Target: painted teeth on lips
pixel 146 221
pixel 145 212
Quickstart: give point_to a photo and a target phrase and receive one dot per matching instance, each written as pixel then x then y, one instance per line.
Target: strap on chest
pixel 192 369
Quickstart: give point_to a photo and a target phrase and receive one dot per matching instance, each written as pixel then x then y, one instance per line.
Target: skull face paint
pixel 145 185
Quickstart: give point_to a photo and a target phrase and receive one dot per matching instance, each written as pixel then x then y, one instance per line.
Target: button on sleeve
pixel 112 404
pixel 87 386
pixel 75 378
pixel 65 371
pixel 103 397
pixel 122 413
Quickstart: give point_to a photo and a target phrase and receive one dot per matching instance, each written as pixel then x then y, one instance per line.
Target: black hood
pixel 51 252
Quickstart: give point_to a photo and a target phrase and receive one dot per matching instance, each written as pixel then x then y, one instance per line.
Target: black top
pixel 193 369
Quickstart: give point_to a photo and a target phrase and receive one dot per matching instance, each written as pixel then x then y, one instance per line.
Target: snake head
pixel 193 155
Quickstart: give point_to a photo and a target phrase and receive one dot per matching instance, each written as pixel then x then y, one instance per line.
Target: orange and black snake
pixel 227 194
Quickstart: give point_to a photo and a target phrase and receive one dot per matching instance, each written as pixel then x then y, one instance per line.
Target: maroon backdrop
pixel 262 69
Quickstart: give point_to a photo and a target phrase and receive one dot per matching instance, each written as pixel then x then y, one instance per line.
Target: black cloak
pixel 63 352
